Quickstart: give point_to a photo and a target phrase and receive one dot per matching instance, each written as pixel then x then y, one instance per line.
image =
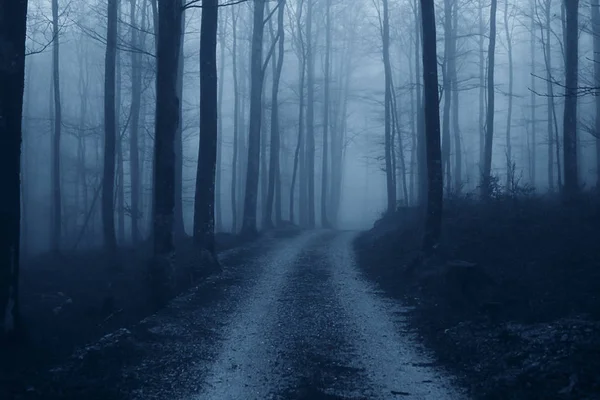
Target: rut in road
pixel 312 328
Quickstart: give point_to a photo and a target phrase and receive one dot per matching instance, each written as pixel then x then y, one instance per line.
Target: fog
pixel 356 109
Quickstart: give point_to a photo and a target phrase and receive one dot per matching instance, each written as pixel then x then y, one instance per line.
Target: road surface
pixel 290 318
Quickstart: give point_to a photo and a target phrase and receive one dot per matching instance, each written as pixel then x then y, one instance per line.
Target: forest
pixel 448 150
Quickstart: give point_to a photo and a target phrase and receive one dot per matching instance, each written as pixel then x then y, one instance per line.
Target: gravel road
pixel 291 318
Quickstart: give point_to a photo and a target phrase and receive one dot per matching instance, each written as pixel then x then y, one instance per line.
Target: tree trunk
pixel 136 98
pixel 204 207
pixel 178 224
pixel 167 115
pixel 447 85
pixel 596 29
pixel 13 15
pixel 325 167
pixel 251 194
pixel 455 108
pixel 274 164
pixel 550 89
pixel 297 153
pixel 509 159
pixel 533 141
pixel 489 125
pixel 481 90
pixel 571 184
pixel 56 192
pixel 435 179
pixel 389 169
pixel 219 179
pixel 108 214
pixel 310 116
pixel 119 146
pixel 236 123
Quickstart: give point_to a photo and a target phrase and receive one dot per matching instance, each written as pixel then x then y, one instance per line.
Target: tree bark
pixel 310 117
pixel 136 99
pixel 325 167
pixel 274 163
pixel 13 15
pixel 108 210
pixel 249 227
pixel 167 115
pixel 596 29
pixel 389 168
pixel 56 189
pixel 435 179
pixel 178 224
pixel 571 184
pixel 204 207
pixel 489 124
pixel 509 159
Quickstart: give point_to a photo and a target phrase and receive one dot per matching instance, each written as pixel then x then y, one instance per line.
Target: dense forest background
pixel 340 60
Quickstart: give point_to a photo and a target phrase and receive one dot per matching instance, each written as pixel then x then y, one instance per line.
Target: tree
pixel 274 165
pixel 389 166
pixel 204 208
pixel 489 124
pixel 509 158
pixel 110 130
pixel 167 116
pixel 136 99
pixel 56 216
pixel 310 117
pixel 13 18
pixel 595 4
pixel 435 179
pixel 571 185
pixel 256 71
pixel 325 167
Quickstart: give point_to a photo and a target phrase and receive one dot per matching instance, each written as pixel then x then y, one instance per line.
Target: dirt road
pixel 297 322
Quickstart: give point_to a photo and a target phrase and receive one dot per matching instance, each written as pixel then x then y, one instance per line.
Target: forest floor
pixel 511 301
pixel 77 297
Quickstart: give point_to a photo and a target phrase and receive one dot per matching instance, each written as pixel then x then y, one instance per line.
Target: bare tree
pixel 571 185
pixel 110 127
pixel 167 111
pixel 204 208
pixel 251 196
pixel 595 4
pixel 435 179
pixel 56 216
pixel 274 163
pixel 13 16
pixel 489 124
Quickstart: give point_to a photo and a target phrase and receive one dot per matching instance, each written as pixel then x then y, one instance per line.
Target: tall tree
pixel 274 164
pixel 178 224
pixel 508 32
pixel 310 116
pixel 13 17
pixel 136 99
pixel 571 185
pixel 236 122
pixel 110 130
pixel 56 195
pixel 167 115
pixel 489 124
pixel 327 77
pixel 389 167
pixel 595 4
pixel 435 179
pixel 256 71
pixel 533 96
pixel 204 207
